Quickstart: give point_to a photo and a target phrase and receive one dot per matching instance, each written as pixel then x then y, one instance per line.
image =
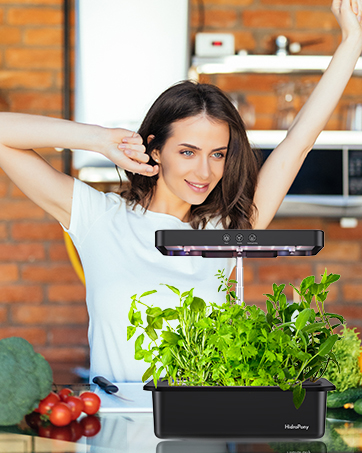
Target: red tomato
pixel 76 430
pixel 91 401
pixel 48 402
pixel 33 420
pixel 46 431
pixel 65 393
pixel 61 433
pixel 76 406
pixel 91 425
pixel 61 414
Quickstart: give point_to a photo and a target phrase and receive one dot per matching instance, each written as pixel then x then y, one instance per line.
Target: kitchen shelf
pixel 274 64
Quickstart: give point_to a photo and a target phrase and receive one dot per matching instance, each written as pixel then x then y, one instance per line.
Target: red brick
pixel 263 103
pixel 9 35
pixel 22 252
pixel 352 293
pixel 316 19
pixel 296 223
pixel 8 273
pixel 49 273
pixel 336 232
pixel 284 273
pixel 340 251
pixel 52 315
pixel 249 82
pixel 70 354
pixel 26 79
pixel 16 210
pixel 37 101
pixel 33 58
pixel 3 231
pixel 248 274
pixel 234 3
pixel 267 19
pixel 34 16
pixel 217 18
pixel 66 293
pixel 347 271
pixel 2 15
pixel 297 2
pixel 15 192
pixel 3 315
pixel 3 188
pixel 69 336
pixel 43 37
pixel 263 123
pixel 32 2
pixel 36 231
pixel 58 252
pixel 255 294
pixel 35 336
pixel 22 294
pixel 350 312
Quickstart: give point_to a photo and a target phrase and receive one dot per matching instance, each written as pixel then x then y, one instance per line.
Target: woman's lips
pixel 196 187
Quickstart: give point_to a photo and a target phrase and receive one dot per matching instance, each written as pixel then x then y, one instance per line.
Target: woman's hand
pixel 125 149
pixel 349 16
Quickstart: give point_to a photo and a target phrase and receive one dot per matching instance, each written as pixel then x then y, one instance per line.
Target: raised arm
pixel 47 187
pixel 280 169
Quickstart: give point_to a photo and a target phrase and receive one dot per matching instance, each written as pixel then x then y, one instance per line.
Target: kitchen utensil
pixel 108 387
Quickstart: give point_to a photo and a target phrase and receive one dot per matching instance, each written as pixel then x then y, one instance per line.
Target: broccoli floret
pixel 26 378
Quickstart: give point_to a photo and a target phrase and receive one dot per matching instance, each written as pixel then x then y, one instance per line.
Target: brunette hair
pixel 232 198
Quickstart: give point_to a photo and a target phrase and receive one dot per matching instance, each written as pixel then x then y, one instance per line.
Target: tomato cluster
pixel 62 411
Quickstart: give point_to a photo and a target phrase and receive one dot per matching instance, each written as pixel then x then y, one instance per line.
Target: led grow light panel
pixel 242 243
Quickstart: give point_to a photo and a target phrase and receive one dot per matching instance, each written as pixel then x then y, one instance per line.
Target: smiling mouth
pixel 197 187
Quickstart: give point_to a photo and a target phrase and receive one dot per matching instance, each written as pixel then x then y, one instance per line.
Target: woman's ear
pixel 156 155
pixel 150 138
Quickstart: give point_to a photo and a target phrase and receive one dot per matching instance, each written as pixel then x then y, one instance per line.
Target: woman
pixel 190 166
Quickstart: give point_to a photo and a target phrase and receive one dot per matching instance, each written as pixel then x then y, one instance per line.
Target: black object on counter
pixel 183 411
pixel 105 384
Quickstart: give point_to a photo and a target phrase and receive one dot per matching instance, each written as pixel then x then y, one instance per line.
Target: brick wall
pixel 40 296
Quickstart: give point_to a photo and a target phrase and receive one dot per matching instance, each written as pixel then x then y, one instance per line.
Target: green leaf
pixel 172 288
pixel 148 373
pixel 298 395
pixel 313 327
pixel 147 293
pixel 170 337
pixel 150 331
pixel 327 345
pixel 130 331
pixel 139 342
pixel 139 355
pixel 166 357
pixel 197 305
pixel 302 318
pixel 306 283
pixel 169 314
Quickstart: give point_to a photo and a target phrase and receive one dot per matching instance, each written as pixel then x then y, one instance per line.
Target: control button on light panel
pixel 239 237
pixel 252 237
pixel 226 237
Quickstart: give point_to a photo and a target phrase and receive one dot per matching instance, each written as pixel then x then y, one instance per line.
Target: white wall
pixel 127 53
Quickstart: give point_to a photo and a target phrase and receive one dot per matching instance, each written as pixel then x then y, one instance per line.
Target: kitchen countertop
pixel 129 432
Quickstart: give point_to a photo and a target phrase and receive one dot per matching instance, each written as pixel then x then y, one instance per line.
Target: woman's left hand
pixel 349 16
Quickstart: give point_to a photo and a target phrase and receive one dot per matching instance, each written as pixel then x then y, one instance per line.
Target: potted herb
pixel 253 363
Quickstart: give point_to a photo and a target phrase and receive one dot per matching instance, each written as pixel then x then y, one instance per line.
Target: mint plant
pixel 238 345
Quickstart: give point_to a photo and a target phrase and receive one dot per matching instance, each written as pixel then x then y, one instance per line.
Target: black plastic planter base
pixel 232 412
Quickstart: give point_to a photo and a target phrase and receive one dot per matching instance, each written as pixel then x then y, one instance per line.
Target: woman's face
pixel 192 160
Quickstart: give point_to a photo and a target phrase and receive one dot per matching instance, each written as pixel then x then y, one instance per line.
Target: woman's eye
pixel 219 155
pixel 187 153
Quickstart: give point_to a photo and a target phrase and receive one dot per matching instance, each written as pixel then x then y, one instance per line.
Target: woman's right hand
pixel 125 149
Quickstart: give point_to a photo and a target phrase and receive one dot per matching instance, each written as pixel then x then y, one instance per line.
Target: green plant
pixel 238 344
pixel 347 351
pixel 26 378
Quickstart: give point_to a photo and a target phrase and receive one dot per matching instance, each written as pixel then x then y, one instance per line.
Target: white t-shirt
pixel 117 249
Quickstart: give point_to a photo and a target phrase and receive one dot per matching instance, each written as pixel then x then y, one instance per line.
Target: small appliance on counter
pixel 181 411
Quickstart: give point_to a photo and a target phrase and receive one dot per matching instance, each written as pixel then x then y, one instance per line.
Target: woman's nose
pixel 203 170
